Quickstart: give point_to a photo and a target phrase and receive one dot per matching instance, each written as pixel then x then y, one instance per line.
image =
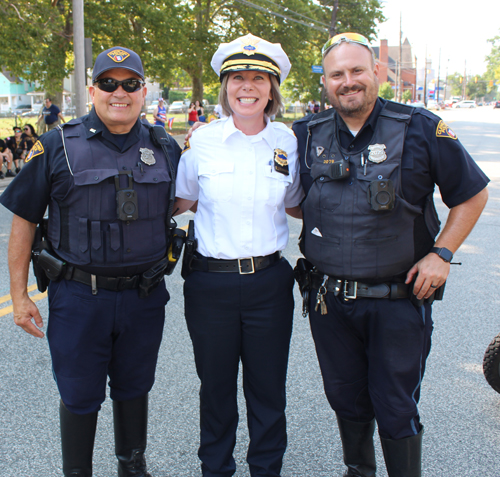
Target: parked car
pixel 465 104
pixel 178 107
pixel 496 104
pixel 433 104
pixel 22 108
pixel 418 104
pixel 32 113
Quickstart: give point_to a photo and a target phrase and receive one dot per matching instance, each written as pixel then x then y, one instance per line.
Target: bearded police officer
pixel 106 180
pixel 369 168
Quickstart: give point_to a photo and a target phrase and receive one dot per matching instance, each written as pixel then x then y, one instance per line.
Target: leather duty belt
pixel 243 266
pixel 106 283
pixel 352 290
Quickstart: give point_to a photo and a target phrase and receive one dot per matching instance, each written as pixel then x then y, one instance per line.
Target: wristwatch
pixel 443 253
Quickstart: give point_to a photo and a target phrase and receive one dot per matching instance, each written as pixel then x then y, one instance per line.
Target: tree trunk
pixel 197 82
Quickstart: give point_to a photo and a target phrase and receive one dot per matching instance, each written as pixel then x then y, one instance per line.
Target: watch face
pixel 444 253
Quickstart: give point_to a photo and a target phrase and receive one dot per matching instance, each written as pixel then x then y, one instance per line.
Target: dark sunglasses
pixel 26 129
pixel 109 85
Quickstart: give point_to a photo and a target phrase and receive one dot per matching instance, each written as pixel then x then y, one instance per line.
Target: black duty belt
pixel 106 283
pixel 351 289
pixel 243 266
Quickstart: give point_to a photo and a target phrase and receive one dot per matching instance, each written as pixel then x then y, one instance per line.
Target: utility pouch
pixel 437 295
pixel 53 267
pixel 302 273
pixel 190 247
pixel 151 278
pixel 175 249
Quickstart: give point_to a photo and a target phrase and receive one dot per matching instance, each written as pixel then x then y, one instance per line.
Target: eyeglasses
pixel 17 130
pixel 26 129
pixel 109 85
pixel 348 38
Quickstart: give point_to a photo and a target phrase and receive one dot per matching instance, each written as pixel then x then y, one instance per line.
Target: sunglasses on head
pixel 348 38
pixel 109 85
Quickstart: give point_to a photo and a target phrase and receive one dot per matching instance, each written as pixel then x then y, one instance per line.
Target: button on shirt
pixel 241 197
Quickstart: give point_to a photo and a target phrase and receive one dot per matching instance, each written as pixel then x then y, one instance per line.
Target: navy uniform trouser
pixel 91 337
pixel 248 317
pixel 372 354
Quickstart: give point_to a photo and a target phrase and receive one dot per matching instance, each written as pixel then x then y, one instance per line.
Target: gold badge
pixel 443 130
pixel 147 156
pixel 249 44
pixel 118 55
pixel 377 153
pixel 36 150
pixel 281 161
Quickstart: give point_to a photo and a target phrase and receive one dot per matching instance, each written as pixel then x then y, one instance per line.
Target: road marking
pixel 10 308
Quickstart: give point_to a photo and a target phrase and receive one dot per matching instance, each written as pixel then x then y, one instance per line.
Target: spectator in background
pixel 6 155
pixel 14 144
pixel 192 114
pixel 28 140
pixel 51 115
pixel 316 107
pixel 200 112
pixel 144 119
pixel 160 113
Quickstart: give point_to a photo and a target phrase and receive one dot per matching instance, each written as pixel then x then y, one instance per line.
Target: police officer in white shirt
pixel 243 171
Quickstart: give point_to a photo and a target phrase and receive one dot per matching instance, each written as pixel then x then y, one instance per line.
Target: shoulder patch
pixel 187 146
pixel 36 150
pixel 443 130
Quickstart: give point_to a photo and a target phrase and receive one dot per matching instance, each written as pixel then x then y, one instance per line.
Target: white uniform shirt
pixel 241 197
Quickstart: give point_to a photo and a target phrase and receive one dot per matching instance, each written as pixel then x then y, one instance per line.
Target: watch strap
pixel 443 253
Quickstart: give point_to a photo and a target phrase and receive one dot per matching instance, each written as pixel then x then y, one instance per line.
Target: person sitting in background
pixel 14 144
pixel 6 155
pixel 28 139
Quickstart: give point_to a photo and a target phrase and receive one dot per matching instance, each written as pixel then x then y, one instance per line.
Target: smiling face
pixel 118 110
pixel 248 93
pixel 351 80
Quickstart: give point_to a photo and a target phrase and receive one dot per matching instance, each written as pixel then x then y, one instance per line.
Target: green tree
pixel 406 95
pixel 385 91
pixel 456 87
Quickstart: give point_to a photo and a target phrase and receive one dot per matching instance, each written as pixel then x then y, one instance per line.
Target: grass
pixel 179 126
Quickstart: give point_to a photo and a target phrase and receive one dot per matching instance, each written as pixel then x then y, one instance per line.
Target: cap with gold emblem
pixel 117 57
pixel 250 52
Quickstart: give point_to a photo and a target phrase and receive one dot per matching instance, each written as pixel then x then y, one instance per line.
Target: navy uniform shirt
pixel 29 193
pixel 432 154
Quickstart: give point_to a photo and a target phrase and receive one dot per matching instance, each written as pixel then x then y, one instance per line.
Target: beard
pixel 354 108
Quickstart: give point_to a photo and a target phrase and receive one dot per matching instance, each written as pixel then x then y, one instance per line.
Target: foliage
pixel 176 39
pixel 385 91
pixel 456 87
pixel 406 95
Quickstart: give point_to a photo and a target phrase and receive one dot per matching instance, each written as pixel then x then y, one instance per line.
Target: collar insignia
pixel 377 153
pixel 36 150
pixel 147 156
pixel 443 130
pixel 249 44
pixel 118 55
pixel 319 150
pixel 92 130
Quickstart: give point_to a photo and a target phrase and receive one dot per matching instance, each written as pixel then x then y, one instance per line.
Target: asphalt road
pixel 461 413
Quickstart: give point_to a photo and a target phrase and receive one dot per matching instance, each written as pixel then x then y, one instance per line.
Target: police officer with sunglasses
pixel 106 182
pixel 369 168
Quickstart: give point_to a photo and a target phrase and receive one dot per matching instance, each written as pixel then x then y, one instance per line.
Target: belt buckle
pixel 346 290
pixel 239 266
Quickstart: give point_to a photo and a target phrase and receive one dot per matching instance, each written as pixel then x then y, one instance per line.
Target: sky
pixel 459 28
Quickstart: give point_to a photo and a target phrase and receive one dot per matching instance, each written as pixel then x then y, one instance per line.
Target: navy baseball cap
pixel 117 57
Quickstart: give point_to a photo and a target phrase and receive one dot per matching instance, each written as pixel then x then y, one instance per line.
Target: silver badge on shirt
pixel 377 153
pixel 319 150
pixel 147 156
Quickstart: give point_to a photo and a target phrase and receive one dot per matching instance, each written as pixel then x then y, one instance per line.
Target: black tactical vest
pixel 84 227
pixel 343 235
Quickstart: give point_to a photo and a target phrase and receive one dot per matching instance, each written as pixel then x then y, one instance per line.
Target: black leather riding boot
pixel 403 457
pixel 357 444
pixel 77 441
pixel 131 425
